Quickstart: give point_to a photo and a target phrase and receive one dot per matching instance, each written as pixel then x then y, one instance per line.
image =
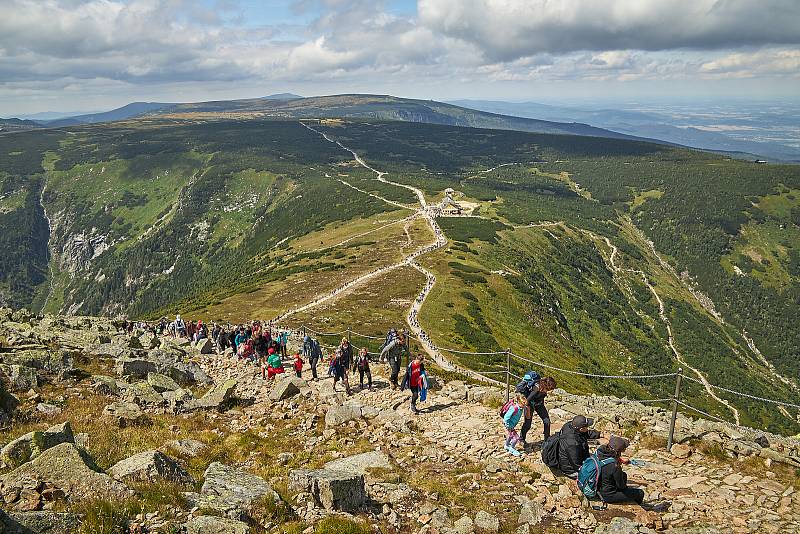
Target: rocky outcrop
pixel 333 490
pixel 61 470
pixel 150 466
pixel 286 388
pixel 218 398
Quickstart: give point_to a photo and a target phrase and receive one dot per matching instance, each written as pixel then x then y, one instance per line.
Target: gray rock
pixel 135 367
pixel 150 466
pixel 42 522
pixel 338 415
pixel 162 383
pixel 209 524
pixel 143 394
pixel 204 346
pixel 618 525
pixel 530 512
pixel 187 373
pixel 232 491
pixel 486 522
pixel 286 388
pixel 106 385
pixel 42 359
pixel 360 463
pixel 333 490
pixel 186 447
pixel 22 378
pixel 49 410
pixel 33 444
pixel 125 414
pixel 177 399
pixel 68 468
pixel 464 525
pixel 217 398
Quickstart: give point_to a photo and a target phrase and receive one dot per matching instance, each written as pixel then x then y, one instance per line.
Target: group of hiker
pixel 599 475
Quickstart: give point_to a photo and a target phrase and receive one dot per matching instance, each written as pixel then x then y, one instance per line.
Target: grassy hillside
pixel 577 243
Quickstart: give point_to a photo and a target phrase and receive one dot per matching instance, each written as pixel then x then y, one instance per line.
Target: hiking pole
pixel 675 400
pixel 508 374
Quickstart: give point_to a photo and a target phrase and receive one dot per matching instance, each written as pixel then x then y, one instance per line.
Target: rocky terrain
pixel 105 431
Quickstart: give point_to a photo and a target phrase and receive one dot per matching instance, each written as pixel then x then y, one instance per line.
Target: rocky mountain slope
pixel 149 434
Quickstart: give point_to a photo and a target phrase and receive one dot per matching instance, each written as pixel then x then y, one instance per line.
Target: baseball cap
pixel 580 421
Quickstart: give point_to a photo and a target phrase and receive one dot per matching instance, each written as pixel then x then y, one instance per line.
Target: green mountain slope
pixel 581 252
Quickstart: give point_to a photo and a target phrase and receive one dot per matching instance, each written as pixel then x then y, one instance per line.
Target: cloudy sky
pixel 74 55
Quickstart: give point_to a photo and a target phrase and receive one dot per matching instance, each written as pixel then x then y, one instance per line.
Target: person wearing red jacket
pixel 413 380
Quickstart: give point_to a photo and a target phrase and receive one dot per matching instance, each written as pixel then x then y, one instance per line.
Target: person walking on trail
pixel 346 354
pixel 362 364
pixel 339 370
pixel 573 444
pixel 415 380
pixel 312 351
pixel 393 353
pixel 298 365
pixel 512 412
pixel 612 485
pixel 274 365
pixel 535 390
pixel 180 326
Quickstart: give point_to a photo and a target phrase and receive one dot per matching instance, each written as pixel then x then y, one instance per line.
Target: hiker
pixel 512 412
pixel 346 355
pixel 362 364
pixel 535 390
pixel 241 338
pixel 572 445
pixel 393 353
pixel 310 354
pixel 180 326
pixel 612 486
pixel 246 351
pixel 283 341
pixel 298 365
pixel 415 380
pixel 274 365
pixel 338 370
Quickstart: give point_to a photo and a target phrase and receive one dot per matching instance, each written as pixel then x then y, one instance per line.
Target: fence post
pixel 349 339
pixel 508 374
pixel 675 400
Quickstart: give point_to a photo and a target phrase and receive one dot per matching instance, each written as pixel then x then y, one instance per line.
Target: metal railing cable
pixel 701 412
pixel 742 394
pixel 592 375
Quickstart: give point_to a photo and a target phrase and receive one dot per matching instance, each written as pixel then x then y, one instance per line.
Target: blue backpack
pixel 530 379
pixel 589 474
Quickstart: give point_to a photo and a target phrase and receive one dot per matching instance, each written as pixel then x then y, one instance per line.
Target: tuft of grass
pixel 104 516
pixel 340 525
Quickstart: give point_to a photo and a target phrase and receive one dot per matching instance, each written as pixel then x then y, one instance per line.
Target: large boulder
pixel 162 383
pixel 143 394
pixel 33 444
pixel 42 359
pixel 204 346
pixel 150 466
pixel 286 388
pixel 67 468
pixel 218 398
pixel 125 414
pixel 232 491
pixel 209 524
pixel 38 522
pixel 338 415
pixel 187 373
pixel 135 367
pixel 360 463
pixel 333 490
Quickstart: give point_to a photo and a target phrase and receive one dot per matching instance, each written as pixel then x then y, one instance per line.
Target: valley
pixel 597 254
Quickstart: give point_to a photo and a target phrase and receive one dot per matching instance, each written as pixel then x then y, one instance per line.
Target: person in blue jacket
pixel 514 409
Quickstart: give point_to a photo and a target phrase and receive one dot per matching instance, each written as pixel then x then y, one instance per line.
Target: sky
pixel 93 55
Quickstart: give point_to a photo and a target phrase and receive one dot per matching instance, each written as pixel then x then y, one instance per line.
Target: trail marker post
pixel 675 399
pixel 508 374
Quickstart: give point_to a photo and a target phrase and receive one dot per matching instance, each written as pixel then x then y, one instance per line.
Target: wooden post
pixel 508 374
pixel 675 399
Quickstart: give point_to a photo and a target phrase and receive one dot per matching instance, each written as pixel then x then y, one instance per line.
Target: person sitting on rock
pixel 612 485
pixel 573 444
pixel 274 365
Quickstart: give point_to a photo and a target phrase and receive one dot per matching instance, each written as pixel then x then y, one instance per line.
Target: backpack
pixel 316 350
pixel 530 379
pixel 589 474
pixel 505 407
pixel 550 451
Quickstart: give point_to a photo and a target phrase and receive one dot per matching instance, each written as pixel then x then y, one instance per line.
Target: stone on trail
pixel 286 388
pixel 530 512
pixel 333 490
pixel 486 522
pixel 619 525
pixel 38 522
pixel 360 463
pixel 216 399
pixel 209 524
pixel 161 383
pixel 232 491
pixel 186 447
pixel 204 346
pixel 125 414
pixel 33 444
pixel 684 482
pixel 135 367
pixel 681 450
pixel 338 415
pixel 465 525
pixel 69 469
pixel 150 466
pixel 187 373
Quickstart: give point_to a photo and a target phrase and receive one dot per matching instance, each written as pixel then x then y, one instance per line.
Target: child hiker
pixel 298 364
pixel 512 412
pixel 274 364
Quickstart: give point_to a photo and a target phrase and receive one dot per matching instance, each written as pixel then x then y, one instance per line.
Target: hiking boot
pixel 513 451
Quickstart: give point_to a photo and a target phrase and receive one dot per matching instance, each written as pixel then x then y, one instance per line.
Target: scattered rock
pixel 209 524
pixel 106 385
pixel 486 521
pixel 333 490
pixel 360 463
pixel 286 388
pixel 32 444
pixel 49 410
pixel 204 346
pixel 135 367
pixel 619 525
pixel 38 522
pixel 162 383
pixel 337 415
pixel 232 491
pixel 464 525
pixel 143 394
pixel 150 466
pixel 685 482
pixel 680 450
pixel 186 447
pixel 217 398
pixel 125 414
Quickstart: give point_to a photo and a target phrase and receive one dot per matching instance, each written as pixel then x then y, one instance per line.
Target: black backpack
pixel 550 451
pixel 527 383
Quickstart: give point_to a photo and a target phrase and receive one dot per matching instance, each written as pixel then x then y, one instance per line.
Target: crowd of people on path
pixel 599 475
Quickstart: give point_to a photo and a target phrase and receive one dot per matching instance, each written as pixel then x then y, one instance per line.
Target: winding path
pixel 50 254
